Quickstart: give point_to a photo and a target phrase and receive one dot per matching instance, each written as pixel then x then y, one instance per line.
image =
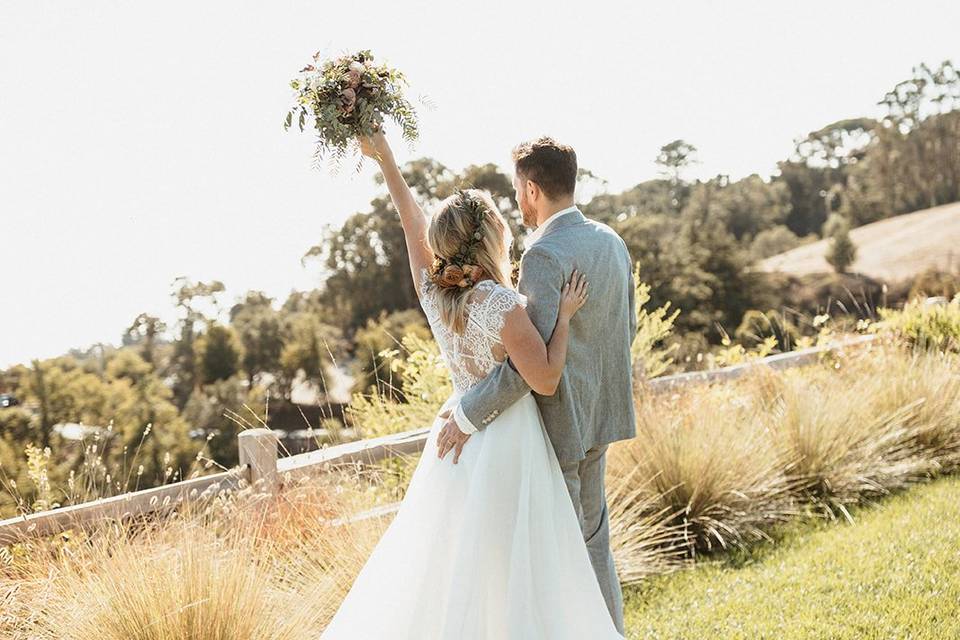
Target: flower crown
pixel 460 270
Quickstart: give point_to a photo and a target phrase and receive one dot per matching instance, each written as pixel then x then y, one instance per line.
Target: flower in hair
pixel 461 270
pixel 451 276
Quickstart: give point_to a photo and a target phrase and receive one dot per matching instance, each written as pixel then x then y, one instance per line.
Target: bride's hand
pixel 574 295
pixel 375 146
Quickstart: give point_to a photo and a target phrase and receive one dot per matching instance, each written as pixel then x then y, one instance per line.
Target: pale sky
pixel 142 141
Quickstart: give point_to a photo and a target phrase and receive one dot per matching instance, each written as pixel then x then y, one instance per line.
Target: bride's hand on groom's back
pixel 573 296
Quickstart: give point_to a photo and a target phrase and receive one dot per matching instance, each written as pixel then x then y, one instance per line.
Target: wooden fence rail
pixel 260 465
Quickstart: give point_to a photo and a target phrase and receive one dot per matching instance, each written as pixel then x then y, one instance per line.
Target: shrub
pixel 925 325
pixel 650 357
pixel 377 348
pixel 757 326
pixel 776 239
pixel 841 252
pixel 698 461
pixel 424 384
pixel 934 282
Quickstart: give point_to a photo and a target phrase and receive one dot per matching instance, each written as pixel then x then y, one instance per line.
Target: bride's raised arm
pixel 414 221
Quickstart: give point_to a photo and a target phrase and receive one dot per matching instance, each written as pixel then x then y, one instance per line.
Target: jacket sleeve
pixel 631 297
pixel 541 281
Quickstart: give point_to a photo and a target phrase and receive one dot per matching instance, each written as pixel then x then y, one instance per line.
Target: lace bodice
pixel 470 356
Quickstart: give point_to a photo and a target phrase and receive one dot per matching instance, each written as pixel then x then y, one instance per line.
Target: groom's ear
pixel 534 192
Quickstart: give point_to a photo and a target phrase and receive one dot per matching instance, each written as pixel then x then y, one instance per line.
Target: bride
pixel 486 544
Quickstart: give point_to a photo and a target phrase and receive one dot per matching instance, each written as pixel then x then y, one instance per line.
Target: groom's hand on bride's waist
pixel 450 437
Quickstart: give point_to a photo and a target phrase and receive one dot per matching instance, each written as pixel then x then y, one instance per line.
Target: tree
pixel 220 410
pixel 692 262
pixel 772 241
pixel 674 157
pixel 369 255
pixel 218 353
pixel 259 327
pixel 141 425
pixel 144 330
pixel 310 348
pixel 63 392
pixel 839 144
pixel 127 364
pixel 148 431
pixel 807 186
pixel 190 299
pixel 43 400
pixel 384 335
pixel 652 197
pixel 717 265
pixel 841 252
pixel 751 205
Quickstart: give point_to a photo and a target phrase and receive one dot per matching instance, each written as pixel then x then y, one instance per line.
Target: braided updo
pixel 470 241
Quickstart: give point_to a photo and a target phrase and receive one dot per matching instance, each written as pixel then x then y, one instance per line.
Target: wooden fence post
pixel 258 452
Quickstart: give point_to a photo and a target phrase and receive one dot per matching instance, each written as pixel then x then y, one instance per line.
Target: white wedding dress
pixel 489 548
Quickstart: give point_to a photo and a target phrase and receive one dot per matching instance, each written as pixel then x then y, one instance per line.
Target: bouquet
pixel 346 98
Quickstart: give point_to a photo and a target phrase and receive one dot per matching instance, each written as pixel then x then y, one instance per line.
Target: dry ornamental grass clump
pixel 245 567
pixel 874 425
pixel 716 477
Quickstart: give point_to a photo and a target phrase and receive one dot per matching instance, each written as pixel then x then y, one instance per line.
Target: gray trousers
pixel 585 482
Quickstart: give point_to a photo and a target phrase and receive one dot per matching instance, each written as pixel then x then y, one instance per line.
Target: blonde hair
pixel 470 241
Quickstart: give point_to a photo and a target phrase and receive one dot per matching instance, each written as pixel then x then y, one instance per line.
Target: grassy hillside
pixel 891 249
pixel 894 573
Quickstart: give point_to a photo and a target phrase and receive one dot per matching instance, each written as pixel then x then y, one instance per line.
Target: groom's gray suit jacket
pixel 593 404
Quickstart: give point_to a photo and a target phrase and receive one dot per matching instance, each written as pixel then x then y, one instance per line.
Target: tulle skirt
pixel 486 549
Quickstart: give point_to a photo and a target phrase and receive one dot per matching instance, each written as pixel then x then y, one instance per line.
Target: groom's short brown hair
pixel 553 166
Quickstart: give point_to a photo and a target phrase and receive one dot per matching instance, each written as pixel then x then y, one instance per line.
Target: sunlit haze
pixel 140 142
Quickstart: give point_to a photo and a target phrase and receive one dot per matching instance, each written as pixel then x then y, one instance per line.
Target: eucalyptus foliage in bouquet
pixel 349 97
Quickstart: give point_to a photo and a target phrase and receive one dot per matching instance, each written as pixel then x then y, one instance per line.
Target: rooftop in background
pixel 891 249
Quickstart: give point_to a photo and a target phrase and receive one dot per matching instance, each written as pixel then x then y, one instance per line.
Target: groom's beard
pixel 529 217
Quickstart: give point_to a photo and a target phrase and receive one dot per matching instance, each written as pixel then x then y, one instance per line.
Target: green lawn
pixel 893 573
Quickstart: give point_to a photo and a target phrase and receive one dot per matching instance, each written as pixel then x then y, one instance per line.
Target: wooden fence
pixel 260 465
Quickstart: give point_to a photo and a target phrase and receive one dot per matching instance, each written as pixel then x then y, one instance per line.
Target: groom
pixel 593 405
